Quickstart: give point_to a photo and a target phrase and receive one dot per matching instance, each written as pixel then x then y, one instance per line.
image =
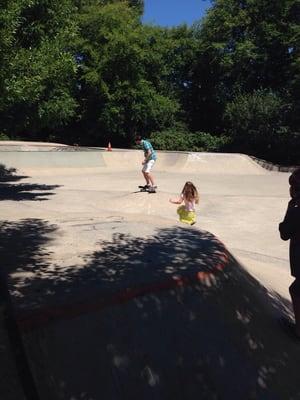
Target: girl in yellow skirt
pixel 189 196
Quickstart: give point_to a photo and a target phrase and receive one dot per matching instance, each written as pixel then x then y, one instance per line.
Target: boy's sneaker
pixel 144 187
pixel 151 189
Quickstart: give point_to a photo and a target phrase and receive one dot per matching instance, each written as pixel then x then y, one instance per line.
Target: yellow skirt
pixel 188 217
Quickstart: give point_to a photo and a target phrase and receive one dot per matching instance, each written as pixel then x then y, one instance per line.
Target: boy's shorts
pixel 148 166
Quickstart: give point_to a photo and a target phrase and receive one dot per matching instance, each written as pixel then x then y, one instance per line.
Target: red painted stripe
pixel 36 319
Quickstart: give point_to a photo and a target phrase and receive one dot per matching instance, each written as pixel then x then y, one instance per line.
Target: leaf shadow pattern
pixel 9 174
pixel 23 245
pixel 126 264
pixel 20 247
pixel 23 251
pixel 213 338
pixel 21 191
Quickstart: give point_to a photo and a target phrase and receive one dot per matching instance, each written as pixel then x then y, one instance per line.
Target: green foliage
pixel 121 90
pixel 37 67
pixel 181 140
pixel 3 136
pixel 255 116
pixel 137 5
pixel 243 46
pixel 257 124
pixel 252 40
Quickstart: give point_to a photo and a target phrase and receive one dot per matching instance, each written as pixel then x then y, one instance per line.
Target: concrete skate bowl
pixel 204 163
pixel 167 316
pixel 156 310
pixel 30 146
pixel 31 157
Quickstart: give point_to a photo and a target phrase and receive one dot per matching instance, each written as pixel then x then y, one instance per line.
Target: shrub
pixel 255 122
pixel 3 136
pixel 181 140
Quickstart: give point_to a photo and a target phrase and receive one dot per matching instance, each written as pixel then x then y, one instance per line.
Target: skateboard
pixel 148 189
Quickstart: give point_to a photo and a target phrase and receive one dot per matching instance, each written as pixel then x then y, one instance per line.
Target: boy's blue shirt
pixel 148 146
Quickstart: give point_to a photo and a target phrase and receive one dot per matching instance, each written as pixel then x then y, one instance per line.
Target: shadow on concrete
pixel 23 245
pixel 166 317
pixel 20 248
pixel 9 174
pixel 9 190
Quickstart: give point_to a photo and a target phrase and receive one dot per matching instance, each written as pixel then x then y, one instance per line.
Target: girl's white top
pixel 188 205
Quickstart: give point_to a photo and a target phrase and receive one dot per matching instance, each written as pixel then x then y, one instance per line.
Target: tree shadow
pixel 20 246
pixel 170 316
pixel 124 264
pixel 9 174
pixel 23 250
pixel 21 191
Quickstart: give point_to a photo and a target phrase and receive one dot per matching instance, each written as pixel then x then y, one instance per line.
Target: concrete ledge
pixel 274 167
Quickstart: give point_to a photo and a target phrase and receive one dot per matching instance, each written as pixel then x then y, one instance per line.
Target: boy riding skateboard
pixel 148 163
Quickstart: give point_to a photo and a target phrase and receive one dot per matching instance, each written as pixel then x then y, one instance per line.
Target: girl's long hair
pixel 190 192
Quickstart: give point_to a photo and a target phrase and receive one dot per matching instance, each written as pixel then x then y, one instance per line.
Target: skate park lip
pixel 85 207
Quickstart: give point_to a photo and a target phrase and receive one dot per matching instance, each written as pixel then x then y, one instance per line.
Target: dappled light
pixel 138 305
pixel 128 266
pixel 23 245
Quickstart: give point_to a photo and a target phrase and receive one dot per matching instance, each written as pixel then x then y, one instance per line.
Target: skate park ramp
pixel 30 157
pixel 14 145
pixel 115 299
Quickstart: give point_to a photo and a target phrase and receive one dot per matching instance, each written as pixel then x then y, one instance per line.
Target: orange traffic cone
pixel 109 147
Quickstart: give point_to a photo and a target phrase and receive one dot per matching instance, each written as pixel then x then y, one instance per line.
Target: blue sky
pixel 174 12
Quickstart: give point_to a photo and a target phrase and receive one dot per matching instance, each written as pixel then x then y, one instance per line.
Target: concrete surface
pixel 10 387
pixel 15 145
pixel 115 299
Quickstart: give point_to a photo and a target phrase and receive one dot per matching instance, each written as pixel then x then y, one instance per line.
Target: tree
pixel 118 92
pixel 37 67
pixel 243 46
